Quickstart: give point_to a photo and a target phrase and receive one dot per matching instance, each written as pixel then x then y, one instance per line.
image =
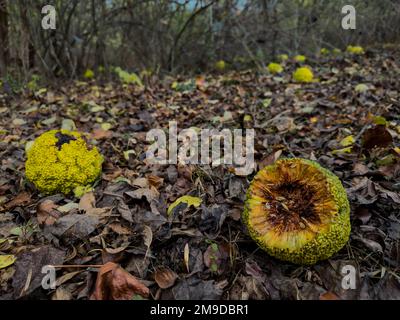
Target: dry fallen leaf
pixel 186 256
pixel 165 277
pixel 22 199
pixel 270 159
pixel 284 124
pixel 88 204
pixel 147 238
pixel 47 213
pixel 149 193
pixel 371 244
pixel 155 181
pixel 61 294
pixel 119 228
pixel 141 182
pixel 360 168
pixel 101 134
pixel 115 283
pixel 377 136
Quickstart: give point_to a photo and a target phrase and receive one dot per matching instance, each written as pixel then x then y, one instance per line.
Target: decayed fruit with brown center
pixel 297 211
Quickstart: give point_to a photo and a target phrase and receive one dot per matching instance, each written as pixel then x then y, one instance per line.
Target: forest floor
pixel 348 121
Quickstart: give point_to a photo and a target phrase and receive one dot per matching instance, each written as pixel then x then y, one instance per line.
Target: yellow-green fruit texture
pixel 283 57
pixel 297 211
pixel 220 65
pixel 303 74
pixel 275 68
pixel 355 49
pixel 60 161
pixel 300 58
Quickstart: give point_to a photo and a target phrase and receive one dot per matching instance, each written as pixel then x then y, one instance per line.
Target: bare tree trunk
pixel 27 54
pixel 100 45
pixel 4 54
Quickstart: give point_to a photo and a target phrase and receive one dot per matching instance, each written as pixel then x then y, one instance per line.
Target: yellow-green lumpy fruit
pixel 60 161
pixel 303 74
pixel 299 58
pixel 336 51
pixel 283 57
pixel 89 74
pixel 355 49
pixel 220 65
pixel 297 211
pixel 275 68
pixel 324 51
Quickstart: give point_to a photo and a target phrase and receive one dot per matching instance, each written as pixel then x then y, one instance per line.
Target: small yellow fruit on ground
pixel 297 211
pixel 275 68
pixel 355 49
pixel 324 51
pixel 300 58
pixel 220 65
pixel 89 74
pixel 303 74
pixel 283 57
pixel 60 161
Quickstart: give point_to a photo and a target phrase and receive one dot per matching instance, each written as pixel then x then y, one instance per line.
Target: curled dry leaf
pixel 47 213
pixel 115 283
pixel 100 134
pixel 147 238
pixel 141 183
pixel 149 193
pixel 125 212
pixel 22 199
pixel 377 136
pixel 165 277
pixel 284 124
pixel 74 226
pixel 360 169
pixel 155 181
pixel 119 229
pixel 371 244
pixel 61 294
pixel 186 253
pixel 270 159
pixel 88 204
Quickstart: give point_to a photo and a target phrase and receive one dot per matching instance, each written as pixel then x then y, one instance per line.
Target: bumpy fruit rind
pixel 303 74
pixel 300 58
pixel 60 161
pixel 275 68
pixel 220 65
pixel 283 57
pixel 297 211
pixel 355 49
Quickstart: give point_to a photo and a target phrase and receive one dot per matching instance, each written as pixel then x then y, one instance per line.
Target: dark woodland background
pixel 161 37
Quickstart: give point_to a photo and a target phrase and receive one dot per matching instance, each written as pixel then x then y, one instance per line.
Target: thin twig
pixel 76 266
